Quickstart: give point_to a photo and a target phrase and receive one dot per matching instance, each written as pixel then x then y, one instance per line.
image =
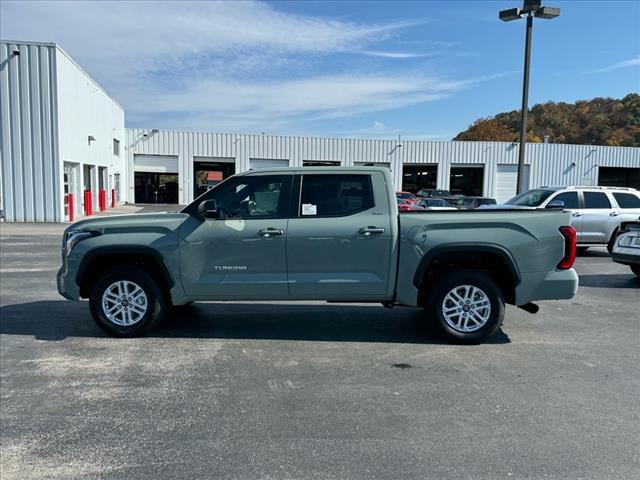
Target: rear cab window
pixel 335 195
pixel 594 200
pixel 627 200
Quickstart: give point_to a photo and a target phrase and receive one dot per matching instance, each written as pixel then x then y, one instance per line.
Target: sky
pixel 422 70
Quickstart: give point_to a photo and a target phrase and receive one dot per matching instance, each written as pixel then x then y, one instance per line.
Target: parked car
pixel 408 197
pixel 626 249
pixel 434 204
pixel 320 233
pixel 597 212
pixel 406 206
pixel 467 203
pixel 433 193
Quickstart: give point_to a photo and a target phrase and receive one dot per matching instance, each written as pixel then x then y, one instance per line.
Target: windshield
pixel 532 198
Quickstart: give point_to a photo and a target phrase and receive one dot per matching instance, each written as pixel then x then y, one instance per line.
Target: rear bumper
pixel 554 285
pixel 620 255
pixel 66 284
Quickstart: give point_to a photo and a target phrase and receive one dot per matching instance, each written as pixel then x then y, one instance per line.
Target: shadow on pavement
pixel 617 280
pixel 57 320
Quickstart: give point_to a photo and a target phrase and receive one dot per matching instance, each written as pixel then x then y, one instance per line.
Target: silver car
pixel 596 212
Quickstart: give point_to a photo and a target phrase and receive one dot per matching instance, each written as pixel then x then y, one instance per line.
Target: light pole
pixel 531 8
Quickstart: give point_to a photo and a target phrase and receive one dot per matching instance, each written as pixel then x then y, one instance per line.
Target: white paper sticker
pixel 309 209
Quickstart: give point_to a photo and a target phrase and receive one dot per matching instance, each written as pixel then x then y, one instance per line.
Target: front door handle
pixel 370 230
pixel 576 214
pixel 270 232
pixel 614 214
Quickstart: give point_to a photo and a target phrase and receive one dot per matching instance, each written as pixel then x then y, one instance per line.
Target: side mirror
pixel 208 209
pixel 555 204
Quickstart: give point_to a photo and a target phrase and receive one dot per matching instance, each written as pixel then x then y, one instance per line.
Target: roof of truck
pixel 316 169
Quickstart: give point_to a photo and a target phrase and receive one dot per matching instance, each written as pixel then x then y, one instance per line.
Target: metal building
pixel 61 135
pixel 176 166
pixel 64 151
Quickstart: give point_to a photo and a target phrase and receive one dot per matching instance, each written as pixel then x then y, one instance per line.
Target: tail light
pixel 570 246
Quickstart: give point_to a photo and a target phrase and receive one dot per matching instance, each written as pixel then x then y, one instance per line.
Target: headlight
pixel 629 241
pixel 75 236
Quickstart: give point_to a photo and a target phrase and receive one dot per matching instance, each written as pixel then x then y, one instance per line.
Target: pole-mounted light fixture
pixel 530 8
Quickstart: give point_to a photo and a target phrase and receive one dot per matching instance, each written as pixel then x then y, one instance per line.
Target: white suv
pixel 597 212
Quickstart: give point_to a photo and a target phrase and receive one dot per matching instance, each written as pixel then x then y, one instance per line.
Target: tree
pixel 600 121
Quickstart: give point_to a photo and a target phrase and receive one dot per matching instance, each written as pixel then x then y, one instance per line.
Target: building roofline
pixel 319 137
pixel 70 58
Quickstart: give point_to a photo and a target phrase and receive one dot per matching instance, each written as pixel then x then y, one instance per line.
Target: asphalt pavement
pixel 314 391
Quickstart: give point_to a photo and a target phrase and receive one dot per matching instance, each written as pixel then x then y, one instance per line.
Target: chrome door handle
pixel 269 232
pixel 368 231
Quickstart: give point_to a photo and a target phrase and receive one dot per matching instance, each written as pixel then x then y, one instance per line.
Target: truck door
pixel 244 254
pixel 599 219
pixel 340 240
pixel 571 204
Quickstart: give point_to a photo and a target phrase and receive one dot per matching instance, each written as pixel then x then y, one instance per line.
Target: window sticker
pixel 309 209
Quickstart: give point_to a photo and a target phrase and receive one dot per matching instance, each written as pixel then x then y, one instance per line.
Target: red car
pixel 407 197
pixel 405 206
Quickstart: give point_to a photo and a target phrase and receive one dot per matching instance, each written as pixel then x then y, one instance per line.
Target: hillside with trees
pixel 601 121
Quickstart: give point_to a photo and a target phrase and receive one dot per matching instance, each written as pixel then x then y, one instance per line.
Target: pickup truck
pixel 318 233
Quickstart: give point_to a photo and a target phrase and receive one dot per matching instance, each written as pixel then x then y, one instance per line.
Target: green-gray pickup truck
pixel 330 234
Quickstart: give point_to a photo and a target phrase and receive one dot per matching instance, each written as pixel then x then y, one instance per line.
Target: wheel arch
pixel 493 259
pixel 98 259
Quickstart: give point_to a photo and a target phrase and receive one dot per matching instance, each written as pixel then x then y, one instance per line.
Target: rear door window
pixel 593 200
pixel 570 200
pixel 335 195
pixel 627 200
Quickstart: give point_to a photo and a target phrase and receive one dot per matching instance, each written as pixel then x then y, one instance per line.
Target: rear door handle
pixel 270 232
pixel 368 231
pixel 576 214
pixel 613 214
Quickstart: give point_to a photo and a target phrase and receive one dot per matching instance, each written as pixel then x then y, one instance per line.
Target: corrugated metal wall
pixel 30 169
pixel 550 164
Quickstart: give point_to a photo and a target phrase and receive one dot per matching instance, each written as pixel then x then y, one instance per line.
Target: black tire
pixel 612 241
pixel 582 250
pixel 156 301
pixel 635 269
pixel 477 279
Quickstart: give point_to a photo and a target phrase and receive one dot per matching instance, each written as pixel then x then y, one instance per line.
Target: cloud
pixel 243 66
pixel 633 62
pixel 373 53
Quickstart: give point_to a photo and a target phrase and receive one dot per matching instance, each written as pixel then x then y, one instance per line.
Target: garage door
pixel 506 179
pixel 155 163
pixel 257 163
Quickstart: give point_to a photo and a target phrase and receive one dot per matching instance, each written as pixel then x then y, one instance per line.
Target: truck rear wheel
pixel 468 306
pixel 126 301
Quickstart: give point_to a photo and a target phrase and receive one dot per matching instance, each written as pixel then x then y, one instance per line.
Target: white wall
pixel 550 164
pixel 29 162
pixel 85 109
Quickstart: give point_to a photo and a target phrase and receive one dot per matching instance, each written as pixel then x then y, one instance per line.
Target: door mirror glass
pixel 555 204
pixel 208 209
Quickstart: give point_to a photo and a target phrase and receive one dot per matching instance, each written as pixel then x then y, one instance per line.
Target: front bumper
pixel 554 285
pixel 66 284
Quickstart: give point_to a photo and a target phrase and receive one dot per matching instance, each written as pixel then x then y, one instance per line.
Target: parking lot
pixel 298 391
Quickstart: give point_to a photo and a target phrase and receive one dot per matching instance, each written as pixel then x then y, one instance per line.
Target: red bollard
pixel 88 203
pixel 113 198
pixel 72 207
pixel 102 200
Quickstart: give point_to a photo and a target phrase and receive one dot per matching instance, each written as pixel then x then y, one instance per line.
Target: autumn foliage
pixel 601 121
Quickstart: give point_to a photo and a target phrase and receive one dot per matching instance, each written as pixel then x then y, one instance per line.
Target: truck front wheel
pixel 468 306
pixel 126 301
